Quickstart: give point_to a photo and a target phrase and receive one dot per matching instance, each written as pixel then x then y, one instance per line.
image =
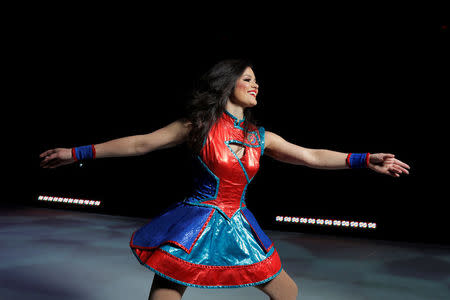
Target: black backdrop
pixel 359 83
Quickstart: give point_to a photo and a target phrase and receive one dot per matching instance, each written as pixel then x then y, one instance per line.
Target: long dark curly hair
pixel 210 98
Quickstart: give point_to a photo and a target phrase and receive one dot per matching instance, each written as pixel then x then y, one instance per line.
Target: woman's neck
pixel 235 110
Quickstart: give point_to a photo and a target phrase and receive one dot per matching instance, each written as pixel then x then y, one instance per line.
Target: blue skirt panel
pixel 180 225
pixel 202 235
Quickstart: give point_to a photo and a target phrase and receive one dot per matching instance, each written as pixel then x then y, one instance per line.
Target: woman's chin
pixel 252 103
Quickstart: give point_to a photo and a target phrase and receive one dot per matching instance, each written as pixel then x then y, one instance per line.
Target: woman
pixel 211 239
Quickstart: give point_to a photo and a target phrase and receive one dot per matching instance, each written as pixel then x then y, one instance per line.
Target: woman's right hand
pixel 56 157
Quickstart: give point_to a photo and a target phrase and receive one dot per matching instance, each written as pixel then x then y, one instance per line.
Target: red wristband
pixel 94 152
pixel 74 155
pixel 347 161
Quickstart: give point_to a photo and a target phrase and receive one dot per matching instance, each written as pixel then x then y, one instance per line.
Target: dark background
pixel 370 80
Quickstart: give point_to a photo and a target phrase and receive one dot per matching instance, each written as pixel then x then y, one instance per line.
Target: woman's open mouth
pixel 253 93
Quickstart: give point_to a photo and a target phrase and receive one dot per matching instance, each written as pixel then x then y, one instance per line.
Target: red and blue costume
pixel 211 239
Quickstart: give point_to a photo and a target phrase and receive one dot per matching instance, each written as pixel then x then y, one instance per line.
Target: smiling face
pixel 245 90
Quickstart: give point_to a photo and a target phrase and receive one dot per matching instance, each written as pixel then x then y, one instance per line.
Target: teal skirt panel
pixel 223 243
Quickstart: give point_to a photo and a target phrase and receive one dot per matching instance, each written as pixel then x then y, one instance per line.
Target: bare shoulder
pixel 181 126
pixel 272 140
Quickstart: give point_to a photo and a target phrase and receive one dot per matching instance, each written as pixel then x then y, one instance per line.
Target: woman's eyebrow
pixel 248 75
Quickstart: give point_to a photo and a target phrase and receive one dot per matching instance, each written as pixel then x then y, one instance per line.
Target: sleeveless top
pixel 211 239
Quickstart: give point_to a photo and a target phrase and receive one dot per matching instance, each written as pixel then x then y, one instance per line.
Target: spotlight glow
pixel 326 222
pixel 70 200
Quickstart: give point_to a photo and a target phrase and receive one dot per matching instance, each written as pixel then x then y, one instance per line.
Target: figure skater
pixel 211 239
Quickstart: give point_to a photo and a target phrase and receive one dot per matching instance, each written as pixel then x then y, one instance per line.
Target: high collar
pixel 232 119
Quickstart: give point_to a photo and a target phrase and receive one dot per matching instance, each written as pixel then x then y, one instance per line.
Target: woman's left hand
pixel 386 163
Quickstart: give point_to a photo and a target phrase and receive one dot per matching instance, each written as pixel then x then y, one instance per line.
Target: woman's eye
pixel 247 79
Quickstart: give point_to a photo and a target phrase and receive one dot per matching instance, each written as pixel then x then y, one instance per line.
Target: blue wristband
pixel 358 160
pixel 83 152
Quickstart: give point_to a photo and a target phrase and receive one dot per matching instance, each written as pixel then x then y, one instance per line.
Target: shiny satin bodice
pixel 221 177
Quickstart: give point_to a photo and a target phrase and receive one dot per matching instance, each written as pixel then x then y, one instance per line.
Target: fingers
pixel 49 160
pixel 398 170
pixel 399 167
pixel 56 157
pixel 52 160
pixel 393 173
pixel 388 155
pixel 55 163
pixel 403 170
pixel 401 164
pixel 389 165
pixel 390 168
pixel 47 153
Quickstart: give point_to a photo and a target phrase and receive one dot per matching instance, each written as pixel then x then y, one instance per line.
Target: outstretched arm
pixel 282 150
pixel 168 136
